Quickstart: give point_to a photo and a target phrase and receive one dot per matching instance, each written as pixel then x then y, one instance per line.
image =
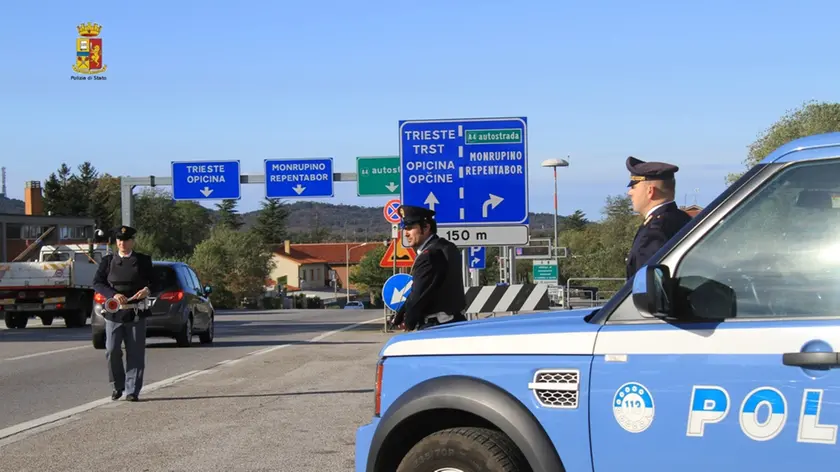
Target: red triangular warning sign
pixel 405 255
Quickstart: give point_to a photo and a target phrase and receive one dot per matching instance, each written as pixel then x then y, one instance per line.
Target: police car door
pixel 752 381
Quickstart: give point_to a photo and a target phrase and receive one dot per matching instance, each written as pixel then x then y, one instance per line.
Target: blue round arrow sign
pixel 396 290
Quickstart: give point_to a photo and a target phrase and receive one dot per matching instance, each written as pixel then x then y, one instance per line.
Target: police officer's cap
pixel 411 215
pixel 645 171
pixel 125 232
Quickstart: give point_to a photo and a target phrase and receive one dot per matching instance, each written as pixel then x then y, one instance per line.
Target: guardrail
pixel 594 297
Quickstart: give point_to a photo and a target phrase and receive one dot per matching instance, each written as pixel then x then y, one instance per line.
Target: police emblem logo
pixel 89 59
pixel 633 407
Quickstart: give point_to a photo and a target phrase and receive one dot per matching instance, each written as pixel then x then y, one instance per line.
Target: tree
pixel 600 249
pixel 169 229
pixel 271 222
pixel 105 207
pixel 234 263
pixel 575 221
pixel 368 275
pixel 809 119
pixel 228 217
pixel 55 192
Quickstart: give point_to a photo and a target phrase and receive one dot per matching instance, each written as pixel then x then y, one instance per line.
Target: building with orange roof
pixel 310 266
pixel 692 210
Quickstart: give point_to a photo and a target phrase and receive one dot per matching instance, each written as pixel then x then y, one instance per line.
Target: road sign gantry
pixel 473 173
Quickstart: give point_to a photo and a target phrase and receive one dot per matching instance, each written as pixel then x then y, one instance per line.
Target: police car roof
pixel 787 152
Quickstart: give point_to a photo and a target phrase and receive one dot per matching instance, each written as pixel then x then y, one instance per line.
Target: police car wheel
pixel 464 450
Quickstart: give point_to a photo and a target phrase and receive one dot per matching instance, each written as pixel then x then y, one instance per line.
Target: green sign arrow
pixel 378 176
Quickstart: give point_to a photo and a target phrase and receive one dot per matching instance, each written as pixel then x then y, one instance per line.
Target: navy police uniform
pixel 437 294
pixel 127 276
pixel 662 223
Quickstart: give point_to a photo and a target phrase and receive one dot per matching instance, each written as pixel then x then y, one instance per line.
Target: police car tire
pixel 466 449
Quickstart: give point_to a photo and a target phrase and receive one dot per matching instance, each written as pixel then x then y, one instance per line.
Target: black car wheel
pixel 207 336
pixel 184 338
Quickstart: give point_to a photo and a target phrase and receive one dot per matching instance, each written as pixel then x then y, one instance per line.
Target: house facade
pixel 312 266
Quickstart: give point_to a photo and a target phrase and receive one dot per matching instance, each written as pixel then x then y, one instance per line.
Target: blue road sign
pixel 299 178
pixel 396 290
pixel 478 256
pixel 470 172
pixel 205 180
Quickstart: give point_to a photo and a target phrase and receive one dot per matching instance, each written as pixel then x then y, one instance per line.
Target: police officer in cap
pixel 127 277
pixel 437 293
pixel 652 188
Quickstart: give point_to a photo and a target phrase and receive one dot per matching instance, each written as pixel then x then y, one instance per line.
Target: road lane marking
pixel 45 353
pixel 56 418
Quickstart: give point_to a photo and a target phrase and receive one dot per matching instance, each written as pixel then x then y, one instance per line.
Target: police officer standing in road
pixel 127 277
pixel 437 293
pixel 652 188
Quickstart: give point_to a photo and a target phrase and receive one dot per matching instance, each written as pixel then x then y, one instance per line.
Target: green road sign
pixel 545 272
pixel 378 176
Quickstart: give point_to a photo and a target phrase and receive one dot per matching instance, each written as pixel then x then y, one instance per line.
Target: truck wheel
pixel 464 450
pixel 75 319
pixel 16 320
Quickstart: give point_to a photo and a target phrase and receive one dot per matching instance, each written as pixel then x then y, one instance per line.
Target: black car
pixel 181 310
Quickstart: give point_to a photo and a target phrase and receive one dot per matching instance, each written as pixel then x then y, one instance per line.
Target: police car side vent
pixel 556 388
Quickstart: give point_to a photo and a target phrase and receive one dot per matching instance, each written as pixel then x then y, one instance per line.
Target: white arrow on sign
pixel 399 295
pixel 206 191
pixel 476 260
pixel 431 200
pixel 391 186
pixel 298 189
pixel 493 202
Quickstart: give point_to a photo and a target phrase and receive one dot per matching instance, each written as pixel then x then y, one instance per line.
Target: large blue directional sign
pixel 396 290
pixel 205 180
pixel 471 172
pixel 299 178
pixel 477 255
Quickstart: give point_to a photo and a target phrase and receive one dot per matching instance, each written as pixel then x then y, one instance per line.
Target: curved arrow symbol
pixel 493 202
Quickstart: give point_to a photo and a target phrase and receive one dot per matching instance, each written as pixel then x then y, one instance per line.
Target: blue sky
pixel 680 82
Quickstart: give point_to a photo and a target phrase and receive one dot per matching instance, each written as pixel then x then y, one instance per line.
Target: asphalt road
pixel 46 369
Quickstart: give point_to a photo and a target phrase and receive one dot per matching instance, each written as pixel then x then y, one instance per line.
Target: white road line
pixel 39 354
pixel 57 417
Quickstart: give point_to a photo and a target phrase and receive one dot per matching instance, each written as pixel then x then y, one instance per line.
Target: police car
pixel 721 354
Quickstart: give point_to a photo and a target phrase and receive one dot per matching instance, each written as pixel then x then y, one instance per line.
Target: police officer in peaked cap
pixel 437 293
pixel 127 277
pixel 652 188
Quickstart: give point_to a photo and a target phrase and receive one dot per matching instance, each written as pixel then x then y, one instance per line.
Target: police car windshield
pixel 778 251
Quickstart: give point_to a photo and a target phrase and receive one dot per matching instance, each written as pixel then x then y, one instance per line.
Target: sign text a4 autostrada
pixel 473 173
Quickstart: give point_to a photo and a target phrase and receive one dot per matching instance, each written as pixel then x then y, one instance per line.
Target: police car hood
pixel 563 331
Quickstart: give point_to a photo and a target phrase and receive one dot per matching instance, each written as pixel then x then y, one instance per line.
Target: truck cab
pixel 720 354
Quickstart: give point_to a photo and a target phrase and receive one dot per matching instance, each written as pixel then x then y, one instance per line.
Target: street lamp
pixel 347 270
pixel 555 163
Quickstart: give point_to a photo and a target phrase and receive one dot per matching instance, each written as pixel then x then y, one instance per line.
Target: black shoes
pixel 116 394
